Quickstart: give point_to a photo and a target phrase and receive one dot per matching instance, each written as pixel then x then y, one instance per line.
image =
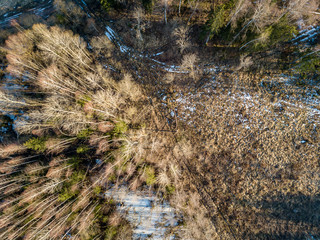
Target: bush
pixel 85 133
pixel 67 194
pixel 170 189
pixel 83 100
pixel 74 161
pixel 147 5
pixel 219 17
pixel 151 178
pixel 97 190
pixel 120 128
pixel 82 149
pixel 276 33
pixel 77 177
pixel 309 66
pixel 111 232
pixel 108 4
pixel 105 4
pixel 36 144
pixel 281 31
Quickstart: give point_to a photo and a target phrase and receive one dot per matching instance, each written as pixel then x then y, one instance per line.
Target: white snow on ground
pixel 307 101
pixel 84 3
pixel 8 19
pixel 13 88
pixel 9 16
pixel 115 38
pixel 154 54
pixel 110 67
pixel 306 35
pixel 150 217
pixel 111 34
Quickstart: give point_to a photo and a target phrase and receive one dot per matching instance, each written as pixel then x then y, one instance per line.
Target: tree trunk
pixel 165 11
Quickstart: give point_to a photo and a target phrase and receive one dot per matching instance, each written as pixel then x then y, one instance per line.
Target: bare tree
pixel 165 2
pixel 138 14
pixel 72 12
pixel 189 63
pixel 265 13
pixel 304 9
pixel 194 7
pixel 242 8
pixel 182 35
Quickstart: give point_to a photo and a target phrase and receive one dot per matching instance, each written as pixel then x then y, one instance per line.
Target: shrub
pixel 108 4
pixel 105 4
pixel 170 189
pixel 36 144
pixel 61 19
pixel 309 66
pixel 147 5
pixel 218 18
pixel 77 177
pixel 66 194
pixel 120 128
pixel 85 133
pixel 111 232
pixel 83 100
pixel 70 190
pixel 282 31
pixel 151 178
pixel 82 149
pixel 97 190
pixel 74 161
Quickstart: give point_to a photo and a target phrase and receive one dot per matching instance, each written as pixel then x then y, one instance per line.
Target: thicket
pixel 236 22
pixel 230 30
pixel 308 64
pixel 77 114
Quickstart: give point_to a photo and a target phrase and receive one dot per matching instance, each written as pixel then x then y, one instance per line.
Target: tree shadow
pixel 289 216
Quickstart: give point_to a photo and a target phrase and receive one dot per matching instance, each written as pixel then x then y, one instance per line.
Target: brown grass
pixel 259 164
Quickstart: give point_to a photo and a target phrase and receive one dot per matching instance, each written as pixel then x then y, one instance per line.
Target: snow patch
pixel 150 217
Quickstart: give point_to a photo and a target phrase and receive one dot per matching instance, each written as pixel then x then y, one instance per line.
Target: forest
pixel 210 107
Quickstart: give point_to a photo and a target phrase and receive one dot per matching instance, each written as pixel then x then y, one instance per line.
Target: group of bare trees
pixel 76 108
pixel 259 17
pixel 245 17
pixel 52 200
